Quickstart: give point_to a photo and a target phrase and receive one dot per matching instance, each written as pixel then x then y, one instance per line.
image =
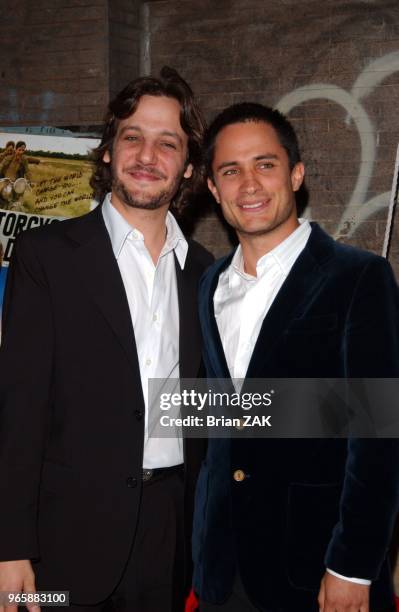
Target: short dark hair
pixel 251 112
pixel 20 143
pixel 171 85
pixel 10 143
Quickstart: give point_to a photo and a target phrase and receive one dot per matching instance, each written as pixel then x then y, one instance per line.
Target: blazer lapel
pixel 97 268
pixel 296 293
pixel 214 353
pixel 189 334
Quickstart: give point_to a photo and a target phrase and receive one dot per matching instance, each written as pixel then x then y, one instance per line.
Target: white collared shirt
pixel 242 301
pixel 151 292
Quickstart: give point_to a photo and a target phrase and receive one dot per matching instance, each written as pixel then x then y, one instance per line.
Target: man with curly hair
pixel 94 504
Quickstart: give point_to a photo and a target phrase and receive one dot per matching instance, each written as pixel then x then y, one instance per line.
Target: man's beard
pixel 138 199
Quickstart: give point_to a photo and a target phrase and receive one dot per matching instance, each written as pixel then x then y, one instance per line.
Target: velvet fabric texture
pixel 305 503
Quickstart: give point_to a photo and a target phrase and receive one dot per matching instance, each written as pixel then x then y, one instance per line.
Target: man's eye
pixel 131 138
pixel 266 165
pixel 230 172
pixel 169 145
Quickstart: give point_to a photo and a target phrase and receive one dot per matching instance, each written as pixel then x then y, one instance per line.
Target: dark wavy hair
pixel 251 112
pixel 171 85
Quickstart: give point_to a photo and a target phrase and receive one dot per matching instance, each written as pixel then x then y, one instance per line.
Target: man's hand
pixel 337 595
pixel 17 576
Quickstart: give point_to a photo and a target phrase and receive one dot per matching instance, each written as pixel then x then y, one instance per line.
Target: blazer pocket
pixel 313 511
pixel 319 324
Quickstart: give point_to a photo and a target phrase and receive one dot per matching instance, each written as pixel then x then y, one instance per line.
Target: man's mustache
pixel 147 170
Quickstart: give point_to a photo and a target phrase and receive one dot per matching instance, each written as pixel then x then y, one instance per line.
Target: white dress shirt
pixel 242 301
pixel 151 292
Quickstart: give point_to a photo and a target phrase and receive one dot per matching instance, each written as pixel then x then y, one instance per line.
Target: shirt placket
pixel 244 348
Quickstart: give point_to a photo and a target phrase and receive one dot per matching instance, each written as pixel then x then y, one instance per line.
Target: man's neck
pixel 253 247
pixel 151 223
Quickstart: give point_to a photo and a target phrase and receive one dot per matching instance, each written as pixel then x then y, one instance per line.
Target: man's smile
pixel 145 174
pixel 254 206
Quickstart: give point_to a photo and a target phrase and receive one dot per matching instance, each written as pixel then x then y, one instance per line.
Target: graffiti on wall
pixel 359 208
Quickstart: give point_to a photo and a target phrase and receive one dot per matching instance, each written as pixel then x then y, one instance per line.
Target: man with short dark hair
pixel 291 525
pixel 94 308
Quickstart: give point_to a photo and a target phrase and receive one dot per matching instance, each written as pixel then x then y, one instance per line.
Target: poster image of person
pixel 46 175
pixel 8 150
pixel 43 179
pixel 15 177
pixel 16 165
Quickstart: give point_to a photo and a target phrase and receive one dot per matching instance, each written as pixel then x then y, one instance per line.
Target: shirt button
pixel 148 362
pixel 131 482
pixel 239 475
pixel 138 414
pixel 155 317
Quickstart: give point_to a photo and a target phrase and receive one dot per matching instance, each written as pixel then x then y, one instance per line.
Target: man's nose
pixel 250 183
pixel 146 153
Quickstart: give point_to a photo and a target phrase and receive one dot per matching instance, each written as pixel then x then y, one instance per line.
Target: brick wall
pixel 53 61
pixel 61 59
pixel 124 43
pixel 333 66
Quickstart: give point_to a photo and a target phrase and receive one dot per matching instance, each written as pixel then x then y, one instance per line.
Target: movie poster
pixel 43 179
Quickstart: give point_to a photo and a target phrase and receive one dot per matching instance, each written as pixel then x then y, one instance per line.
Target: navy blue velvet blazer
pixel 306 503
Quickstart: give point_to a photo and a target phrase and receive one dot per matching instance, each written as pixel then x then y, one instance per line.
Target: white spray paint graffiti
pixel 357 209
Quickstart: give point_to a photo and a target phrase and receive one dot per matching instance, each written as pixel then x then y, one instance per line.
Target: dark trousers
pixel 153 580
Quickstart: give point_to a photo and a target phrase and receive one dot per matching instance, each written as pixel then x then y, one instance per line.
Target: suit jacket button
pixel 239 475
pixel 138 414
pixel 131 482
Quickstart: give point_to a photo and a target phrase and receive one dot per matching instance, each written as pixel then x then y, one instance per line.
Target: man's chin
pixel 147 202
pixel 254 229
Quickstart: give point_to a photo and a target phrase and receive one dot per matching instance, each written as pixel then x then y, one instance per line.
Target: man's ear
pixel 107 157
pixel 188 171
pixel 213 190
pixel 297 176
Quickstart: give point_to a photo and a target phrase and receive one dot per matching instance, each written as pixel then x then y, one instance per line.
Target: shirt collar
pixel 284 255
pixel 119 229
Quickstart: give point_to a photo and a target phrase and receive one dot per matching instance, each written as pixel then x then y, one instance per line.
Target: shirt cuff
pixel 356 580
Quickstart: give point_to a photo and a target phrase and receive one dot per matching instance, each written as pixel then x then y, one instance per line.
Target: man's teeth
pixel 256 205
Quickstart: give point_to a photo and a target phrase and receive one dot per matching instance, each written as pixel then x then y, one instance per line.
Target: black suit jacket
pixel 72 410
pixel 305 503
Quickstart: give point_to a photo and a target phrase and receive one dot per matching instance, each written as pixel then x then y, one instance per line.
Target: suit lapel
pixel 189 335
pixel 295 295
pixel 213 345
pixel 97 268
